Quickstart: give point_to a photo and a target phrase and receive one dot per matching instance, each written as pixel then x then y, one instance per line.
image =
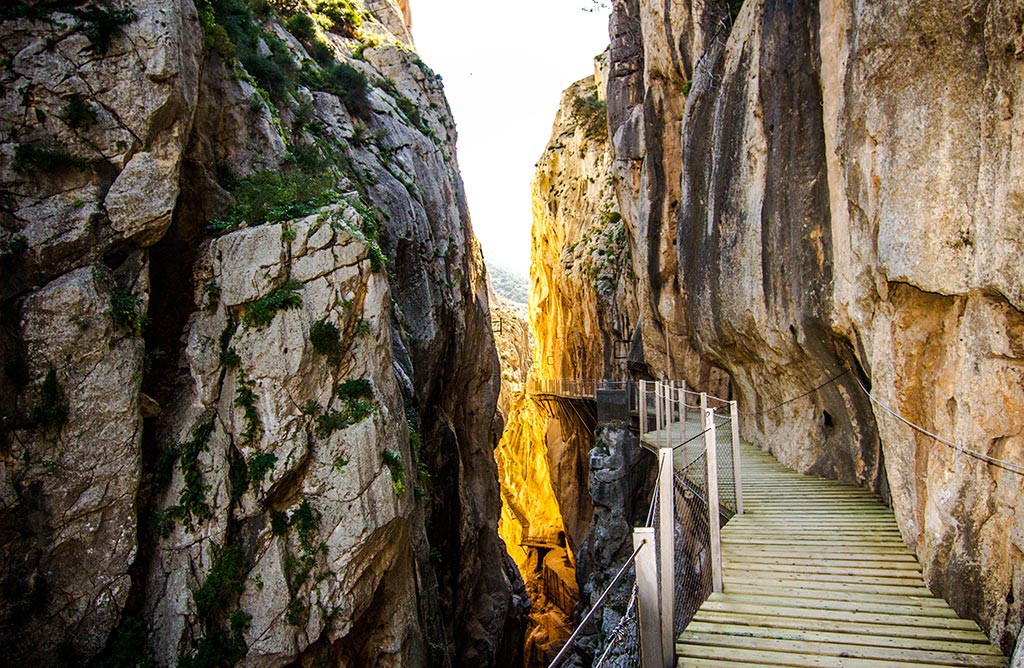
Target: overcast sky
pixel 504 66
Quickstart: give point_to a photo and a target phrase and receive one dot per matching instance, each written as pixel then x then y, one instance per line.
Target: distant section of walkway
pixel 816 574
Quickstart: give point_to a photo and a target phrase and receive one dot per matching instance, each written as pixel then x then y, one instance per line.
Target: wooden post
pixel 651 652
pixel 658 387
pixel 666 548
pixel 643 408
pixel 716 530
pixel 737 467
pixel 682 407
pixel 667 400
pixel 703 405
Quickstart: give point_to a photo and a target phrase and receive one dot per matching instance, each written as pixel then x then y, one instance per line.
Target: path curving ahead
pixel 816 574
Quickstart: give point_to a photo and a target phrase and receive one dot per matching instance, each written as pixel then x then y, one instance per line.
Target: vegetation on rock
pixel 591 113
pixel 260 313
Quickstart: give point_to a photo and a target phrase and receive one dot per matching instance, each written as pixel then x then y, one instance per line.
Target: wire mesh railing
pixel 692 549
pixel 676 562
pixel 726 468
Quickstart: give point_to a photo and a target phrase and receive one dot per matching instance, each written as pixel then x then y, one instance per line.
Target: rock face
pixel 823 196
pixel 579 304
pixel 267 440
pixel 821 200
pixel 530 513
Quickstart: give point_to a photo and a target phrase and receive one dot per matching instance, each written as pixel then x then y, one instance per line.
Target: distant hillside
pixel 509 284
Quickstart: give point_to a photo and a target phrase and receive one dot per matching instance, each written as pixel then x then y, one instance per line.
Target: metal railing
pixel 677 557
pixel 572 388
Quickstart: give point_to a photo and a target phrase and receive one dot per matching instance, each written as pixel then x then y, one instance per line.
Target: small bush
pixel 51 409
pixel 278 523
pixel 590 113
pixel 274 196
pixel 302 26
pixel 260 465
pixel 101 22
pixel 393 461
pixel 349 84
pixel 320 51
pixel 354 389
pixel 126 312
pixel 78 113
pixel 326 340
pixel 29 158
pixel 192 498
pixel 212 293
pixel 306 521
pixel 343 16
pixel 245 399
pixel 261 312
pixel 225 580
pixel 357 398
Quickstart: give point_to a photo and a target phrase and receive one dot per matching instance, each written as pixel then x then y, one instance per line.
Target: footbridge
pixel 743 562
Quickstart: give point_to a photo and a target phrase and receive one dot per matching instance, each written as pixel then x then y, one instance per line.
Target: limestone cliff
pixel 249 376
pixel 531 522
pixel 825 195
pixel 580 306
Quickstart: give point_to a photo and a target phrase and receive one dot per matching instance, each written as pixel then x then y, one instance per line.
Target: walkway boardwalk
pixel 816 574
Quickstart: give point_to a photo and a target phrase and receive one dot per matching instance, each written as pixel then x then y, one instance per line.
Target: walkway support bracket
pixel 711 452
pixel 651 652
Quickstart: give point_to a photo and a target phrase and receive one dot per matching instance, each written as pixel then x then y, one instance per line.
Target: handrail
pixel 615 580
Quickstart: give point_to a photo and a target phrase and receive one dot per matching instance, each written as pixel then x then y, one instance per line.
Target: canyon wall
pixel 249 377
pixel 822 196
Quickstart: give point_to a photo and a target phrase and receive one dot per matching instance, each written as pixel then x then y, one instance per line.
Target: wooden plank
pixel 944 658
pixel 771 658
pixel 819 552
pixel 874 636
pixel 838 611
pixel 827 586
pixel 739 572
pixel 838 566
pixel 837 594
pixel 894 630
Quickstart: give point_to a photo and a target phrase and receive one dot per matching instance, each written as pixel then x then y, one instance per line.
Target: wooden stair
pixel 816 574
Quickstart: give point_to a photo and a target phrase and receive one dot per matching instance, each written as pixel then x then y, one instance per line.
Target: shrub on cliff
pixel 343 17
pixel 349 84
pixel 590 113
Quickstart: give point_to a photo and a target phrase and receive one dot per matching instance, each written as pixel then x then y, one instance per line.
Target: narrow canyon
pixel 264 404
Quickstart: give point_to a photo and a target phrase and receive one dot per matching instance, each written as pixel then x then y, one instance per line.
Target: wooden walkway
pixel 675 434
pixel 816 574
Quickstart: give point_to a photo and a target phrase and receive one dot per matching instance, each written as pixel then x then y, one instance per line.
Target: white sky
pixel 505 65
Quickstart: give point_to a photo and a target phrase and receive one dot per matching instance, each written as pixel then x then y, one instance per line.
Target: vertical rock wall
pixel 846 215
pixel 261 442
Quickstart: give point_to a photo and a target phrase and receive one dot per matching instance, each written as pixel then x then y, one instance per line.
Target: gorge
pixel 260 406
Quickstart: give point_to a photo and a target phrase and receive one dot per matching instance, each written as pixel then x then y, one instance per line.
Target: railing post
pixel 703 405
pixel 711 456
pixel 666 549
pixel 643 408
pixel 667 400
pixel 658 386
pixel 682 407
pixel 737 468
pixel 651 653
